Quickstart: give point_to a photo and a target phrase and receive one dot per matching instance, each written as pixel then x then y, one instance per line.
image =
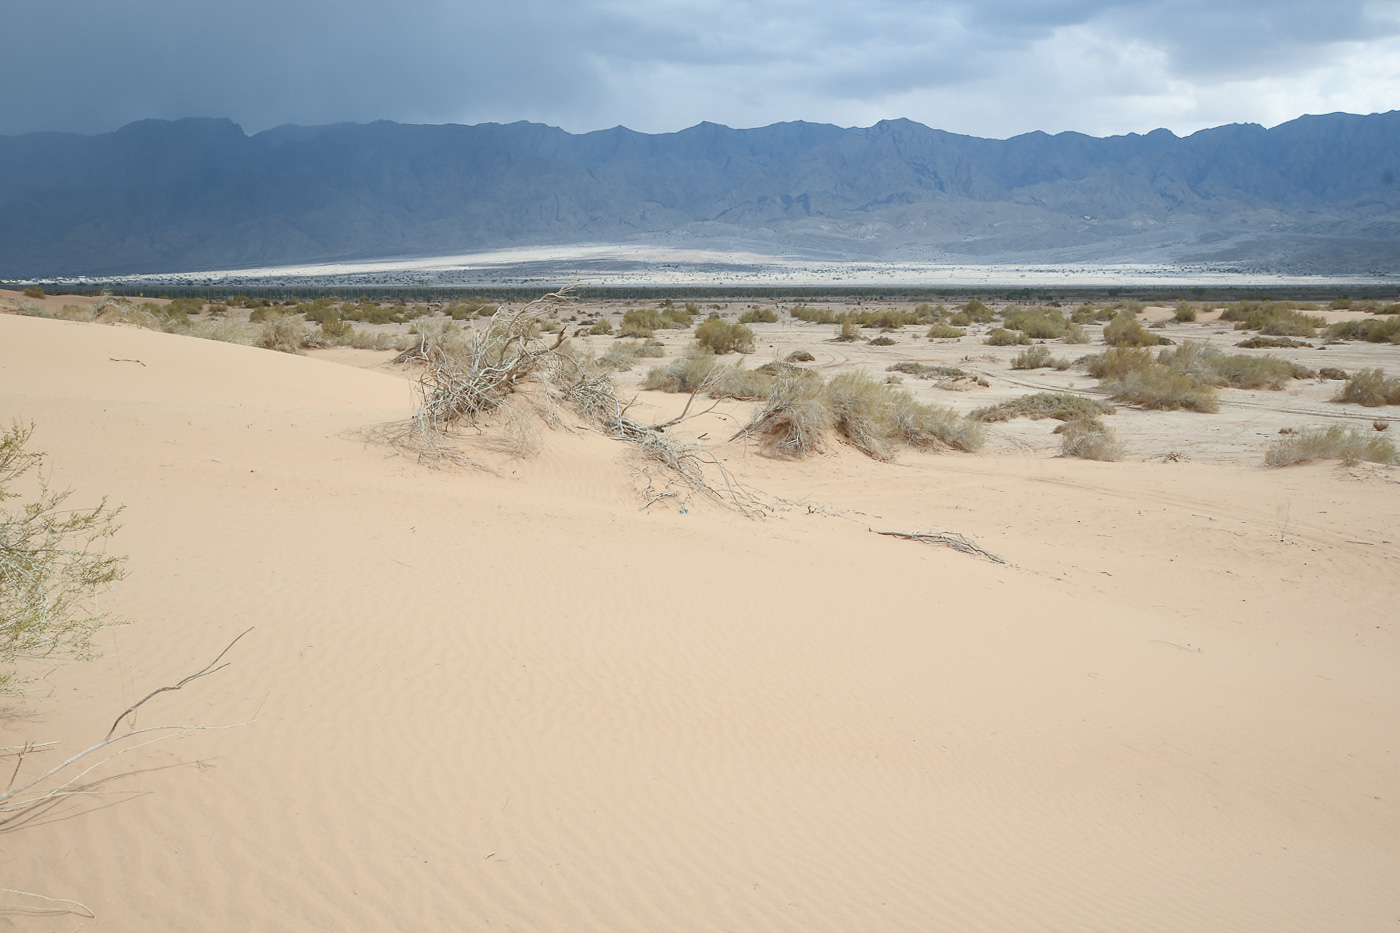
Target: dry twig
pixel 945 538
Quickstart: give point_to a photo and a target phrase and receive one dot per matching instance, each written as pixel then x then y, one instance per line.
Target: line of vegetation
pixel 1331 443
pixel 1060 406
pixel 1372 388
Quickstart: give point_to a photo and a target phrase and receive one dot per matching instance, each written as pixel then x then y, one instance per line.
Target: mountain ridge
pixel 1318 193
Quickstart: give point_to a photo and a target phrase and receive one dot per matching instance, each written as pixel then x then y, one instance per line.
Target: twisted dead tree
pixel 468 374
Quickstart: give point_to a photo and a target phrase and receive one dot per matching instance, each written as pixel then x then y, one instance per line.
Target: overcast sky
pixel 983 67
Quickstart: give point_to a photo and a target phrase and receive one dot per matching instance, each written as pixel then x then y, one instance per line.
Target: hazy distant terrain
pixel 1315 195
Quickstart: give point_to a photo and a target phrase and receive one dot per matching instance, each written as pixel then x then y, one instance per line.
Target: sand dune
pixel 509 698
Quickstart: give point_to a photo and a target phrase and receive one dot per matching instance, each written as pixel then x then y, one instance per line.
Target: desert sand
pixel 508 697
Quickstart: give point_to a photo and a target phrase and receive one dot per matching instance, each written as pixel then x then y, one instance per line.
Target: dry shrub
pixel 1037 323
pixel 720 337
pixel 1371 388
pixel 1089 439
pixel 923 371
pixel 1273 343
pixel 1058 405
pixel 1332 443
pixel 1238 370
pixel 759 316
pixel 600 328
pixel 1001 337
pixel 1332 372
pixel 877 419
pixel 1037 357
pixel 1185 312
pixel 1372 330
pixel 739 383
pixel 1276 318
pixel 848 331
pixel 795 421
pixel 799 356
pixel 284 333
pixel 881 342
pixel 1161 389
pixel 863 411
pixel 1127 331
pixel 922 425
pixel 945 332
pixel 686 374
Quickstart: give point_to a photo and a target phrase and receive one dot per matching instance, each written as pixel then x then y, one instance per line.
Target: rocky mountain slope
pixel 1316 194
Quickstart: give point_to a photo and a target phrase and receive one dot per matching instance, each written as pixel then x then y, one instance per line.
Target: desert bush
pixel 621 356
pixel 926 313
pixel 1037 357
pixel 881 341
pixel 1273 318
pixel 1339 304
pixel 1213 367
pixel 739 383
pixel 686 374
pixel 922 425
pixel 721 337
pixel 34 291
pixel 759 316
pixel 1089 440
pixel 1332 372
pixel 813 315
pixel 679 318
pixel 1075 334
pixel 1037 323
pixel 466 310
pixel 1369 329
pixel 1185 312
pixel 281 332
pixel 924 371
pixel 1127 331
pixel 1371 388
pixel 945 332
pixel 1058 405
pixel 640 322
pixel 848 331
pixel 1092 314
pixel 1159 388
pixel 1272 343
pixel 600 328
pixel 974 312
pixel 871 415
pixel 1332 443
pixel 795 420
pixel 1001 337
pixel 799 356
pixel 53 563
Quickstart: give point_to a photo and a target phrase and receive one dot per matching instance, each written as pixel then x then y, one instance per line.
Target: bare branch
pixel 208 669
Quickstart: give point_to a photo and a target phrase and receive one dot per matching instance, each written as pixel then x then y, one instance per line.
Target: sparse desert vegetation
pixel 1335 442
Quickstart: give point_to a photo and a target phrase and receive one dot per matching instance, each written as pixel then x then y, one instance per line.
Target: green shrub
pixel 1075 334
pixel 34 291
pixel 466 310
pixel 721 337
pixel 1185 312
pixel 800 356
pixel 1001 337
pixel 881 341
pixel 600 328
pixel 53 564
pixel 1091 314
pixel 1371 388
pixel 1058 405
pixel 945 332
pixel 1240 371
pixel 848 331
pixel 1332 443
pixel 759 316
pixel 1127 331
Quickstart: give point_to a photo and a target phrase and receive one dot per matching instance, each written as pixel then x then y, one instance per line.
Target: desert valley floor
pixel 508 696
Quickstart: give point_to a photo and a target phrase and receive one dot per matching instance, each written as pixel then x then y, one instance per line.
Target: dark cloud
pixel 994 67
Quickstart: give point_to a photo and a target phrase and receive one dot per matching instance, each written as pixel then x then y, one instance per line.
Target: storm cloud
pixel 990 68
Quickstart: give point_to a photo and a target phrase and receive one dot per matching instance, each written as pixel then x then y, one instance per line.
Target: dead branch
pixel 208 669
pixel 945 538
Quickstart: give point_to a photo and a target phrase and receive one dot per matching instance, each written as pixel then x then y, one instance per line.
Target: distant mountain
pixel 1321 193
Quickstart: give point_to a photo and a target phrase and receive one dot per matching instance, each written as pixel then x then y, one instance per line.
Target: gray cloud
pixel 994 67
